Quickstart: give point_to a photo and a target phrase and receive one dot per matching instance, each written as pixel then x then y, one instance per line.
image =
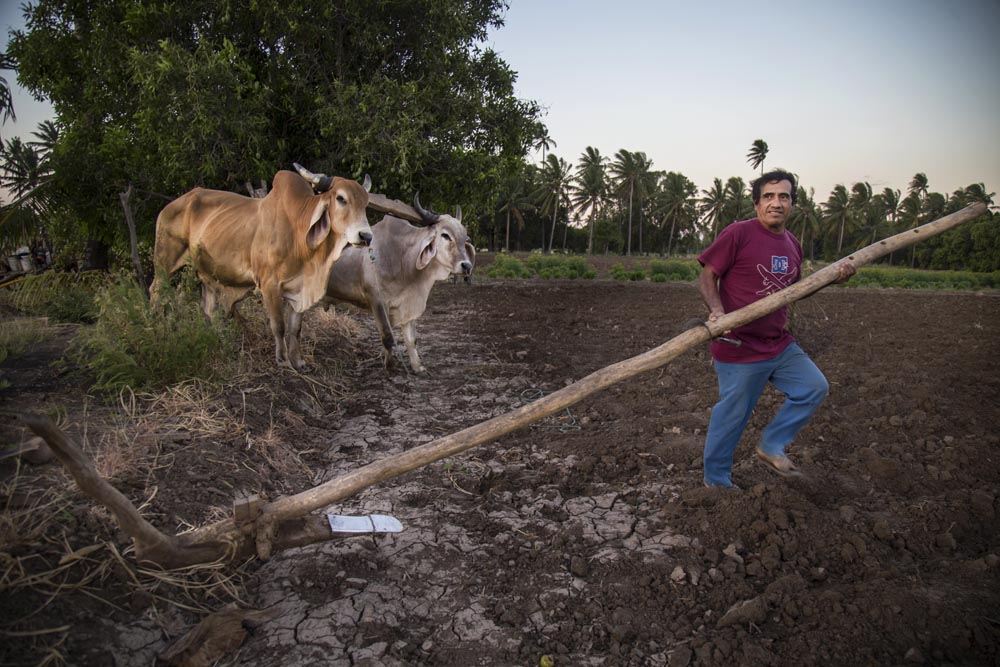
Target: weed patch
pixel 133 344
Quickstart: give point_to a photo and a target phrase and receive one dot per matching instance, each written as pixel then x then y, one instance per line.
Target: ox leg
pixel 271 295
pixel 293 327
pixel 208 299
pixel 410 338
pixel 385 333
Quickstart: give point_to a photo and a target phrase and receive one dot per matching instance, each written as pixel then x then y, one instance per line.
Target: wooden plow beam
pixel 383 204
pixel 288 521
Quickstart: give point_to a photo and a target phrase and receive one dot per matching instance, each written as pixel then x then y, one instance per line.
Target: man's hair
pixel 775 176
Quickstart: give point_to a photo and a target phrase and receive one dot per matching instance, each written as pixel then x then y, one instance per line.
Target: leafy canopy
pixel 172 94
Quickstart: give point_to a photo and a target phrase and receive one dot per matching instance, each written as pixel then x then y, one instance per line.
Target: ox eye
pixel 445 236
pixel 341 200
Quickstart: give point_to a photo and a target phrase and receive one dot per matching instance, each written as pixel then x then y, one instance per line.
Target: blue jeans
pixel 740 386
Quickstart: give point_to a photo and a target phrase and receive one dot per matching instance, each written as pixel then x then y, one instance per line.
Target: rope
pixel 564 422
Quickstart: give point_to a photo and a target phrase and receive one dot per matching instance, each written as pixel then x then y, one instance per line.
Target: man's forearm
pixel 708 284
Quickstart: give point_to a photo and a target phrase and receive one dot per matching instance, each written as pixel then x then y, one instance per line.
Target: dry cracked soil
pixel 586 537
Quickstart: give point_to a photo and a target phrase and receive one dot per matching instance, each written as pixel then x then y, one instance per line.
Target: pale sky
pixel 845 91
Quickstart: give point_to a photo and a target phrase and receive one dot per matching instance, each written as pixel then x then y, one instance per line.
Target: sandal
pixel 780 464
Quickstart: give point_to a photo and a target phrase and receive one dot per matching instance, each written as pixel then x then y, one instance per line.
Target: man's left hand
pixel 846 270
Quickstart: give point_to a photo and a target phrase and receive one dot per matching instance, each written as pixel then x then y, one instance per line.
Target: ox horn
pixel 458 212
pixel 430 217
pixel 320 182
pixel 367 185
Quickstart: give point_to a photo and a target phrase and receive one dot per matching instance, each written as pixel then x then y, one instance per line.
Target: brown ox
pixel 283 244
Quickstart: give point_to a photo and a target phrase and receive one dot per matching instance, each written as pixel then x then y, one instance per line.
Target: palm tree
pixel 712 203
pixel 918 188
pixel 543 140
pixel 47 135
pixel 837 209
pixel 514 201
pixel 627 169
pixel 918 185
pixel 555 176
pixel 862 205
pixel 589 188
pixel 806 218
pixel 25 172
pixel 6 98
pixel 757 154
pixel 976 192
pixel 677 203
pixel 889 203
pixel 738 201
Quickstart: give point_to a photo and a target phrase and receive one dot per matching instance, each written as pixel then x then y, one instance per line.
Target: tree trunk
pixel 126 198
pixel 287 521
pixel 506 245
pixel 590 237
pixel 628 248
pixel 552 236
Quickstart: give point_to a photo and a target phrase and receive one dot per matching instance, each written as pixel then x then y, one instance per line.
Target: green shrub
pixel 619 272
pixel 505 266
pixel 905 278
pixel 133 344
pixel 61 296
pixel 549 266
pixel 672 270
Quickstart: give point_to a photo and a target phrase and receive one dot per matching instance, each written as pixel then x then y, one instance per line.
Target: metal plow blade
pixel 372 523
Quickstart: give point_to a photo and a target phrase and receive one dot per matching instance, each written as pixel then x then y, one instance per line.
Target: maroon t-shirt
pixel 752 263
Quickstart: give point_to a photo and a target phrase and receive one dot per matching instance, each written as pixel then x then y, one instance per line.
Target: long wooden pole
pixel 357 480
pixel 285 522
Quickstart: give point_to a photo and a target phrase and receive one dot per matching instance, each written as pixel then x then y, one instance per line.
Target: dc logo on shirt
pixel 779 264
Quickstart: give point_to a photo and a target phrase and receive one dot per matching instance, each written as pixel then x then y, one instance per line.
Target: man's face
pixel 774 205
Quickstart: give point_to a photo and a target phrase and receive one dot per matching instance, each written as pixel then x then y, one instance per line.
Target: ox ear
pixel 428 249
pixel 319 225
pixel 470 250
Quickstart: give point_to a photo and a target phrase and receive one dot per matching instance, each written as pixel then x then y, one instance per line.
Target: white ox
pixel 393 278
pixel 284 244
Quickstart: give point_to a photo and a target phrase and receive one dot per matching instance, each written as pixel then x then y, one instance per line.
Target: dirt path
pixel 588 537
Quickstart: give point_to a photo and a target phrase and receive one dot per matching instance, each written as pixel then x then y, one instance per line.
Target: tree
pixel 6 99
pixel 863 208
pixel 757 154
pixel 589 188
pixel 677 204
pixel 514 200
pixel 806 219
pixel 836 210
pixel 712 203
pixel 553 179
pixel 542 140
pixel 168 95
pixel 976 192
pixel 918 185
pixel 917 188
pixel 738 201
pixel 25 172
pixel 628 169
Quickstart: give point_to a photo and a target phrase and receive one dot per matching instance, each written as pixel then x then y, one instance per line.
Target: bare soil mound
pixel 588 536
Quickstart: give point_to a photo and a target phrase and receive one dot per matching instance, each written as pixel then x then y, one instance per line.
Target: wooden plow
pixel 262 528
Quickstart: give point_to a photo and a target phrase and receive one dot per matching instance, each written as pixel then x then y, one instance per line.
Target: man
pixel 747 262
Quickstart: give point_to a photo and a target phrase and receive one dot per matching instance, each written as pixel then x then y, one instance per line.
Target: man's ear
pixel 319 225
